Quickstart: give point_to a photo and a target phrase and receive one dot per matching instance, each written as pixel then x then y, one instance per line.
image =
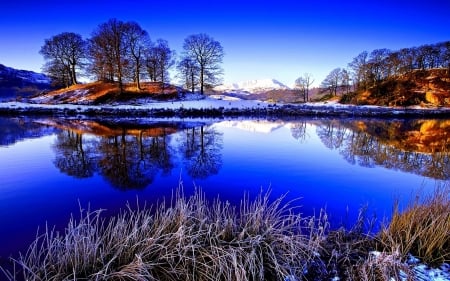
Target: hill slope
pixel 102 92
pixel 15 83
pixel 420 87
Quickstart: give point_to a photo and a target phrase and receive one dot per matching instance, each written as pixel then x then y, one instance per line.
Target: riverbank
pixel 219 108
pixel 191 238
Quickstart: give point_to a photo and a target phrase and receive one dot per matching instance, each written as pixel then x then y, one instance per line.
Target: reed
pixel 188 238
pixel 191 238
pixel 423 229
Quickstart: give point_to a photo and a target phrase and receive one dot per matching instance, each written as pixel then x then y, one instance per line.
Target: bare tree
pixel 208 54
pixel 137 41
pixel 331 82
pixel 108 50
pixel 359 67
pixel 64 52
pixel 159 59
pixel 345 80
pixel 188 73
pixel 303 83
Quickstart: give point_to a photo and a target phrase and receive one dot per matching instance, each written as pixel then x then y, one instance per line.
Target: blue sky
pixel 277 39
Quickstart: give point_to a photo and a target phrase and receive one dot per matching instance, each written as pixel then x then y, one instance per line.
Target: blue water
pixel 49 168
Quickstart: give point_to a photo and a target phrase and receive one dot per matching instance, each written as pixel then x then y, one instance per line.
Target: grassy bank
pixel 190 238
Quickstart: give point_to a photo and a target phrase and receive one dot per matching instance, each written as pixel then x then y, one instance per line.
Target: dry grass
pixel 380 267
pixel 190 238
pixel 187 239
pixel 423 229
pixel 100 92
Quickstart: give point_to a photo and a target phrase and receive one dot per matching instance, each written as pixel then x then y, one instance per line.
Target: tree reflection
pixel 415 146
pixel 201 150
pixel 332 134
pixel 127 162
pixel 298 131
pixel 158 150
pixel 73 156
pixel 127 158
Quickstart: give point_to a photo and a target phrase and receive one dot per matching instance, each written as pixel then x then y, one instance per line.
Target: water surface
pixel 50 168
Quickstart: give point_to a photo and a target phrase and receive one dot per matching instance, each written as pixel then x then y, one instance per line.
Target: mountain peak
pixel 253 86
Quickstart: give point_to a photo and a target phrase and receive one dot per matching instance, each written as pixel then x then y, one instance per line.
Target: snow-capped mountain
pixel 10 77
pixel 252 86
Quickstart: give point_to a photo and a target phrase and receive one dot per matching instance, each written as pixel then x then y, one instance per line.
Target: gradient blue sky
pixel 277 39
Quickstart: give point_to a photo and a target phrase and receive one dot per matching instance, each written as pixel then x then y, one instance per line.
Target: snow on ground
pixel 204 103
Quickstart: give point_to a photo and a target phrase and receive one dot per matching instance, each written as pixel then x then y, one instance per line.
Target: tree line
pixel 370 69
pixel 122 52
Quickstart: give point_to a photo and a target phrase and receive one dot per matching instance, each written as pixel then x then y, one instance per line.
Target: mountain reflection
pixel 416 146
pixel 131 157
pixel 17 129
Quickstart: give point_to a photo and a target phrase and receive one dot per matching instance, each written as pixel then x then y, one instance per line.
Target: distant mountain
pixel 15 82
pixel 252 86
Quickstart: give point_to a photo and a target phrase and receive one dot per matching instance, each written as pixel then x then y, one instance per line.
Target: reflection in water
pixel 298 131
pixel 416 146
pixel 73 156
pixel 201 150
pixel 16 129
pixel 132 157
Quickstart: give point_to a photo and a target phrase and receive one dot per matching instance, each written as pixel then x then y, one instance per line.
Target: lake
pixel 50 167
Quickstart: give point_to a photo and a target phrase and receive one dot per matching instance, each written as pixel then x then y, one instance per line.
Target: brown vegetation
pixel 419 87
pixel 423 230
pixel 103 92
pixel 100 129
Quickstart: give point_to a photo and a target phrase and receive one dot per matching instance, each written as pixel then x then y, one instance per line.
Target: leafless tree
pixel 64 52
pixel 332 81
pixel 158 60
pixel 137 41
pixel 188 73
pixel 359 65
pixel 303 83
pixel 108 51
pixel 208 54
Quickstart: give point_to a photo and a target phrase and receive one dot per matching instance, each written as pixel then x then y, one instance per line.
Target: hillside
pixel 15 83
pixel 103 92
pixel 420 87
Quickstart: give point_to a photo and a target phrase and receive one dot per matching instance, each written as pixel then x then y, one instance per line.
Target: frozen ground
pixel 221 105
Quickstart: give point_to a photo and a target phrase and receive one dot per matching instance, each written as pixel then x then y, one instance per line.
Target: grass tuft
pixel 423 229
pixel 187 239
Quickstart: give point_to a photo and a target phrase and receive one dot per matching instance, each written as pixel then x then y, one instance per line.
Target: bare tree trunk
pixel 202 69
pixel 74 77
pixel 162 81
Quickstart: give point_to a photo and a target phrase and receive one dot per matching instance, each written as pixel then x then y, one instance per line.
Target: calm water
pixel 51 167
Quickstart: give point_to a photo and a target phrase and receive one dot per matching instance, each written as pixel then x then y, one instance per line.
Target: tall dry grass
pixel 191 238
pixel 423 229
pixel 185 239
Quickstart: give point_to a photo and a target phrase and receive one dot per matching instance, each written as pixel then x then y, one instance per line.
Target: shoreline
pixel 211 108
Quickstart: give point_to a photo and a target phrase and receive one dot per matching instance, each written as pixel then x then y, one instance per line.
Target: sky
pixel 275 39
